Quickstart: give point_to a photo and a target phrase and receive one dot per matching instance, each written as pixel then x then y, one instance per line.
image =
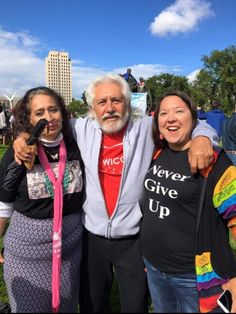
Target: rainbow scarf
pixel 208 281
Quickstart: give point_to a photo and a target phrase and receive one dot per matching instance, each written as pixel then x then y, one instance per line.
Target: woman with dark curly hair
pixel 43 241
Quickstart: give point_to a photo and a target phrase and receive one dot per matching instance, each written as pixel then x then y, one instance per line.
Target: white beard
pixel 113 126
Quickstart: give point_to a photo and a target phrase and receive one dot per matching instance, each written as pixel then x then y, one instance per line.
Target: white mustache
pixel 112 115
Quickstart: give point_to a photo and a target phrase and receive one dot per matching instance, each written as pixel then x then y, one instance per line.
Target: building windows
pixel 58 74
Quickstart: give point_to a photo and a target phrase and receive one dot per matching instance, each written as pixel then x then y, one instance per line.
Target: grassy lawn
pixel 2 150
pixel 3 292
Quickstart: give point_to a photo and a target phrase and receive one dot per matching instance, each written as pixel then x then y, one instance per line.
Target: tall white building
pixel 58 74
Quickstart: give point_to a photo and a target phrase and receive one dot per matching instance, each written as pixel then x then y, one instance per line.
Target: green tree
pixel 157 85
pixel 202 89
pixel 220 70
pixel 77 108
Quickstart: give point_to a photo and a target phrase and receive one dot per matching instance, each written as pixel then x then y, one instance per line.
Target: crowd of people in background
pixel 3 125
pixel 223 124
pixel 229 136
pixel 106 186
pixel 7 131
pixel 215 116
pixel 134 85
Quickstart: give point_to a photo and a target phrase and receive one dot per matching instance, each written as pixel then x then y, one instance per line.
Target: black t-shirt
pixel 34 195
pixel 170 204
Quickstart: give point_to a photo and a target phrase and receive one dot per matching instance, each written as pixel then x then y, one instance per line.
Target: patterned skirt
pixel 28 264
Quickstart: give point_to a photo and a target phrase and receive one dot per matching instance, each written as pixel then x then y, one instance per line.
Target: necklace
pixel 52 152
pixel 53 156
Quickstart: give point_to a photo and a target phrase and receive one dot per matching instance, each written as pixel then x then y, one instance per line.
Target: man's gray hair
pixel 108 78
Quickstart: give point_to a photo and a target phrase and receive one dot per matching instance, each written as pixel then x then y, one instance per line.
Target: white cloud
pixel 76 62
pixel 148 70
pixel 19 39
pixel 193 75
pixel 20 68
pixel 181 17
pixel 82 76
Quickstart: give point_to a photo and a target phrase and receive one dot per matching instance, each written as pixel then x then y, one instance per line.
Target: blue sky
pixel 149 36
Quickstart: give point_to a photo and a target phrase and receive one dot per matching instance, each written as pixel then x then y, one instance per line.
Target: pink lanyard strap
pixel 57 220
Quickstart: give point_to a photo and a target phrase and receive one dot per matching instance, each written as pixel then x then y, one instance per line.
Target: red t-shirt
pixel 110 167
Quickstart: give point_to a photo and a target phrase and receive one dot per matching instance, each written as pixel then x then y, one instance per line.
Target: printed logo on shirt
pixel 155 186
pixel 110 165
pixel 37 180
pixel 112 159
